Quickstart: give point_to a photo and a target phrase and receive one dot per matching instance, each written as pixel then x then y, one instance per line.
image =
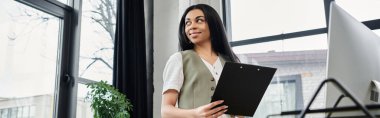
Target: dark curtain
pixel 149 53
pixel 130 57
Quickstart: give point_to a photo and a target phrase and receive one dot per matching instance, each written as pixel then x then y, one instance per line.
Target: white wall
pixel 165 38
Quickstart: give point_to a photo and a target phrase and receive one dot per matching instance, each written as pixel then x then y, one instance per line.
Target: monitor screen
pixel 353 57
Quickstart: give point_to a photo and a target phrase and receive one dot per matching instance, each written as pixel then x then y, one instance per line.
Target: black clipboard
pixel 242 87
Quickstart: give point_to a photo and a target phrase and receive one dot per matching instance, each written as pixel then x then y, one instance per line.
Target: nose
pixel 193 26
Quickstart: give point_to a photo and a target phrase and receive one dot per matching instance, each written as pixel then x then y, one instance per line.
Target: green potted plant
pixel 108 102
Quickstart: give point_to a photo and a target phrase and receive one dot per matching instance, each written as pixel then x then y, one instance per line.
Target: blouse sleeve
pixel 173 73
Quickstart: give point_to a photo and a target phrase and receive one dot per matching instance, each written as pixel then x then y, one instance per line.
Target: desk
pixel 327 110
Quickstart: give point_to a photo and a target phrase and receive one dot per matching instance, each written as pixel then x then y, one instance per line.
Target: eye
pixel 200 20
pixel 187 23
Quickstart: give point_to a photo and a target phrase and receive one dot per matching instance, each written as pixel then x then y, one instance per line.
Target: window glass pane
pixel 19 112
pixel 29 42
pixel 63 1
pixel 258 18
pixel 83 106
pixel 97 39
pixel 14 112
pixel 4 113
pixel 313 42
pixel 362 10
pixel 32 111
pixel 301 66
pixel 26 111
pixel 281 95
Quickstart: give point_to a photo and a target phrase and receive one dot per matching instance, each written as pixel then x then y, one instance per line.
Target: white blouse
pixel 173 72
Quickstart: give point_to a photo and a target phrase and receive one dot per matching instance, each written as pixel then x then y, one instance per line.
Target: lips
pixel 193 34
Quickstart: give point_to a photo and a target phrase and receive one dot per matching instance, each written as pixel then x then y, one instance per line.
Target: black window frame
pixel 68 53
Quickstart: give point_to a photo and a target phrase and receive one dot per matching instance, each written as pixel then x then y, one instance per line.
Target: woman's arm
pixel 168 109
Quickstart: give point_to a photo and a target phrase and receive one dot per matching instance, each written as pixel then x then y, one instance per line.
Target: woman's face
pixel 196 27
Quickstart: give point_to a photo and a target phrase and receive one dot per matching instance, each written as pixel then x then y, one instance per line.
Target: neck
pixel 204 49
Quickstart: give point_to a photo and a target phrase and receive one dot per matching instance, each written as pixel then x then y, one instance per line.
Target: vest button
pixel 212 88
pixel 212 79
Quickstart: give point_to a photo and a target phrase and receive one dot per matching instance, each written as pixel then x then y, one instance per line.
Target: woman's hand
pixel 206 111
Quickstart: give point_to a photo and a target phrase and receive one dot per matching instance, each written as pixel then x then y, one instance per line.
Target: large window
pixel 45 55
pixel 31 59
pixel 40 65
pixel 29 48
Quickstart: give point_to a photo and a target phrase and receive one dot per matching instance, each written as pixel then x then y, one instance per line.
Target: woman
pixel 190 76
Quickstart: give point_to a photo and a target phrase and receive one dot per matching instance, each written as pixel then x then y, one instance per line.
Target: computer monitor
pixel 353 57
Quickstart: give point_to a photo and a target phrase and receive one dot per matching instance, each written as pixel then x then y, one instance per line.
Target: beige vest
pixel 198 85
